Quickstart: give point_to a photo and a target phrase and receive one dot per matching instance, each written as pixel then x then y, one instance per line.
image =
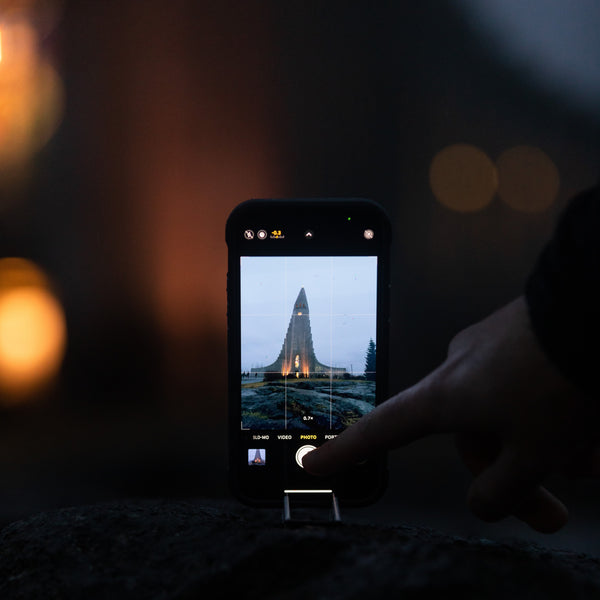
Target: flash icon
pixel 369 234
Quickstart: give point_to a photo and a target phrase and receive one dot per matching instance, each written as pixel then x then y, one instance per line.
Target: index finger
pixel 396 422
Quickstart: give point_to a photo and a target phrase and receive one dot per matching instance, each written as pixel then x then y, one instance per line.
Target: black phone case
pixel 329 220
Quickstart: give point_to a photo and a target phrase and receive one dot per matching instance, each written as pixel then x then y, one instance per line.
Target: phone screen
pixel 307 338
pixel 308 342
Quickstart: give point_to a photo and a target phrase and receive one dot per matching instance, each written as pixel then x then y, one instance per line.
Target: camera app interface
pixel 308 342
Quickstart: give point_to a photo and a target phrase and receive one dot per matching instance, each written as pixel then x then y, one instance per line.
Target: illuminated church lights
pixel 297 357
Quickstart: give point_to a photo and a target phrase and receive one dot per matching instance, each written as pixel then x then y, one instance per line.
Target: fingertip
pixel 307 463
pixel 313 463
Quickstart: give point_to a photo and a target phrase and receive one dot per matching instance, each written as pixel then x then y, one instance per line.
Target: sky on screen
pixel 342 297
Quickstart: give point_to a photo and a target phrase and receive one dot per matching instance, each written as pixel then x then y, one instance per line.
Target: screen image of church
pixel 297 357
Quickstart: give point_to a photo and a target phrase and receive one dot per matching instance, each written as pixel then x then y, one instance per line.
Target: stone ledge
pixel 177 549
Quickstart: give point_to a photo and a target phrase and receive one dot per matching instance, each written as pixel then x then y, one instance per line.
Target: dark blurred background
pixel 129 130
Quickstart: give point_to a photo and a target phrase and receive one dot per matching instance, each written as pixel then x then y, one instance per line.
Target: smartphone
pixel 308 321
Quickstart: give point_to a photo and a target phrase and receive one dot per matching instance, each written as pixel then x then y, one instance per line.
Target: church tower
pixel 297 357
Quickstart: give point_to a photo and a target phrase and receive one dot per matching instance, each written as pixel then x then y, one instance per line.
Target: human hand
pixel 515 417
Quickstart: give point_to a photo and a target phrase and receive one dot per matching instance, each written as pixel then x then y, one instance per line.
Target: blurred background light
pixel 463 178
pixel 43 15
pixel 32 330
pixel 31 93
pixel 553 43
pixel 528 179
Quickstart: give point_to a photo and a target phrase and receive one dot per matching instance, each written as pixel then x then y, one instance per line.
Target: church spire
pixel 297 357
pixel 301 304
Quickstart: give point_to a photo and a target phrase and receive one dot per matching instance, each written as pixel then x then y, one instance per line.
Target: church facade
pixel 297 357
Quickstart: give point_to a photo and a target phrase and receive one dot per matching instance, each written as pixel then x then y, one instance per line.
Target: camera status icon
pixel 369 234
pixel 262 234
pixel 249 234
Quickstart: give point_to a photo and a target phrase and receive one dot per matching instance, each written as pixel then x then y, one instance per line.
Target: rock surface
pixel 306 404
pixel 176 549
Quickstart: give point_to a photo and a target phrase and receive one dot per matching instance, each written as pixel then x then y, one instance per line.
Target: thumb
pixel 511 485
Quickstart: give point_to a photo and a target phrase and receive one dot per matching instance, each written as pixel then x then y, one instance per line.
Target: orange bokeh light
pixel 463 178
pixel 31 94
pixel 32 330
pixel 42 14
pixel 529 180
